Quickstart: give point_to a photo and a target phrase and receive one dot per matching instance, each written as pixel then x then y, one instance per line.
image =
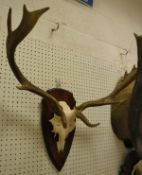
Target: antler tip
pixel 134 67
pixel 135 35
pixel 9 20
pixel 24 7
pixel 45 9
pixel 26 10
pixel 10 9
pixel 97 124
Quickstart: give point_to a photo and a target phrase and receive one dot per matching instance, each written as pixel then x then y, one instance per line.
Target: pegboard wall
pixel 95 151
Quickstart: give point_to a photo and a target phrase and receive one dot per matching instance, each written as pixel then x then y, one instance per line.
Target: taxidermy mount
pixel 126 116
pixel 59 110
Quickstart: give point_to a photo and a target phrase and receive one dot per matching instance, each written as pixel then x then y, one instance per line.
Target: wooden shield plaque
pixel 57 158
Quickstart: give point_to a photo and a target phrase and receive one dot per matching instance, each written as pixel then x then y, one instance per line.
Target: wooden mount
pixel 57 158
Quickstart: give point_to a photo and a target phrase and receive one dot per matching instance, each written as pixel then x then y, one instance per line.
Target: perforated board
pixel 22 152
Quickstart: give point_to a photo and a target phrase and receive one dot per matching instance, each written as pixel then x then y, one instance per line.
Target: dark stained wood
pixel 57 158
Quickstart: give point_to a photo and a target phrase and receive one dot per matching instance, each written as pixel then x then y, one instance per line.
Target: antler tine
pixel 13 39
pixel 100 102
pixel 83 106
pixel 125 83
pixel 82 117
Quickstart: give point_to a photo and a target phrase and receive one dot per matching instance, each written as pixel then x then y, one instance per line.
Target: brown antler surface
pixel 119 112
pixel 13 39
pixel 110 99
pixel 100 102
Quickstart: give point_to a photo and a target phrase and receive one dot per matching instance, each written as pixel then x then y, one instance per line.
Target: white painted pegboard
pixel 22 152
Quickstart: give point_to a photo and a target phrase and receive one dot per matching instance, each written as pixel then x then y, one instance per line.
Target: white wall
pixel 100 34
pixel 110 24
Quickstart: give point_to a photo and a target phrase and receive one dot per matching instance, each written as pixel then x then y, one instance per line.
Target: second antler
pixel 15 37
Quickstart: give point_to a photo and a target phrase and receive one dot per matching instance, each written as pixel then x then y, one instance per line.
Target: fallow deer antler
pixel 110 99
pixel 15 37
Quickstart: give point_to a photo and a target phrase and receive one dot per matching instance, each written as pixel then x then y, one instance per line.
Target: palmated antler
pixel 119 112
pixel 110 99
pixel 13 39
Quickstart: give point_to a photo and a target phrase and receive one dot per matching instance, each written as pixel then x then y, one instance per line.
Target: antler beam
pixel 110 99
pixel 14 38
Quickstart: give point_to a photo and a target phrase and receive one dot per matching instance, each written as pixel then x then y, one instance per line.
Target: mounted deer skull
pixel 59 112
